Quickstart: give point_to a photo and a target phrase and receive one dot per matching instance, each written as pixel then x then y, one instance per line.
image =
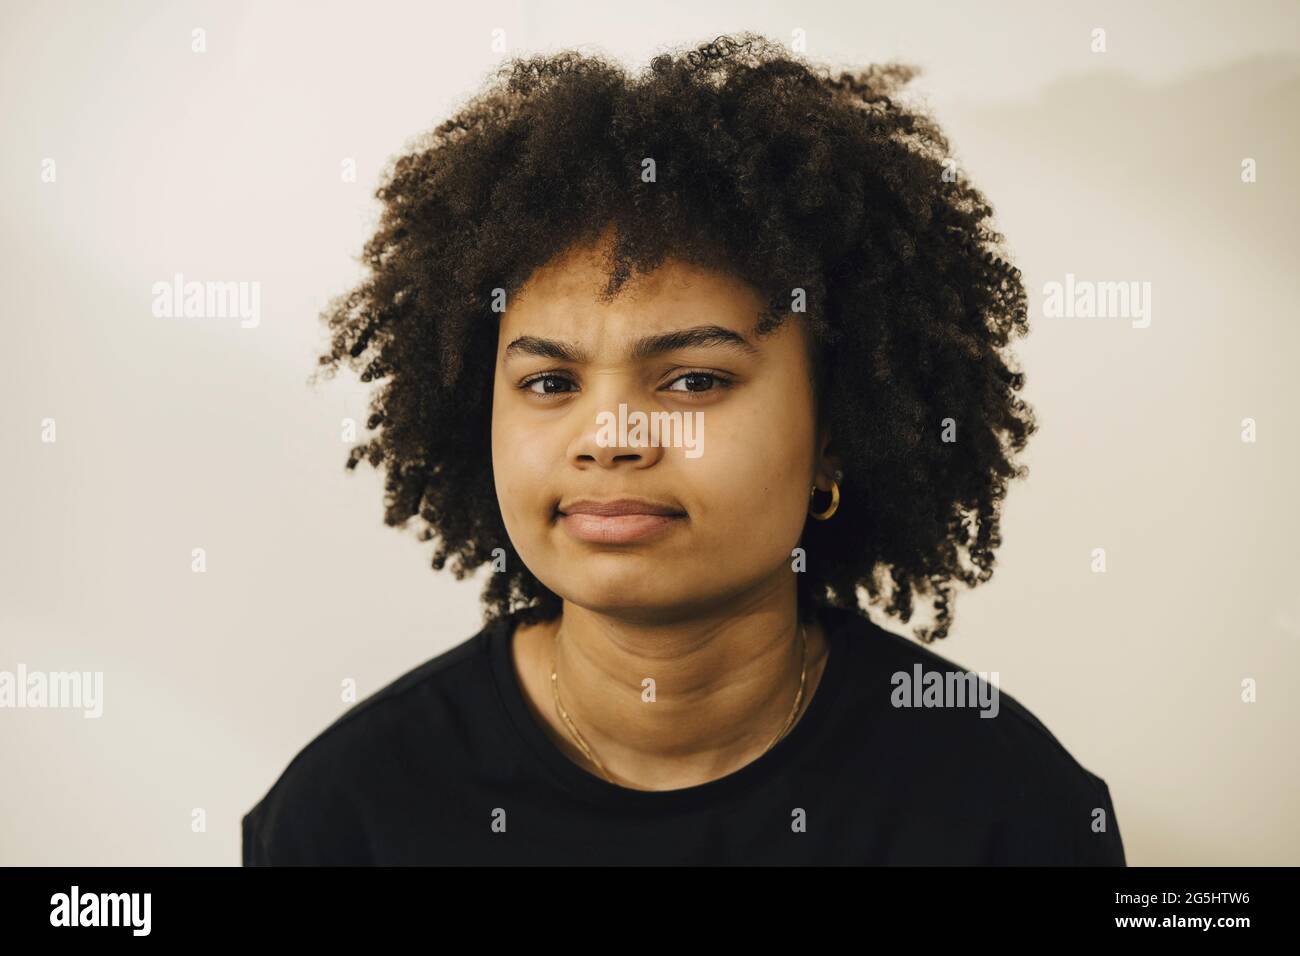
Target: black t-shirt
pixel 447 766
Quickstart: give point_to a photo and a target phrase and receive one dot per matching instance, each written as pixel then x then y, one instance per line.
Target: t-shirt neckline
pixel 596 789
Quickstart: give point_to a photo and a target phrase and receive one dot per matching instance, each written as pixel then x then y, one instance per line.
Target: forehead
pixel 561 298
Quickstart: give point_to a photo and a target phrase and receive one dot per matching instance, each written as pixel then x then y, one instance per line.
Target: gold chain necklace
pixel 798 698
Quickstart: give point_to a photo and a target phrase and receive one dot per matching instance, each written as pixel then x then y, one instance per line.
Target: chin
pixel 636 593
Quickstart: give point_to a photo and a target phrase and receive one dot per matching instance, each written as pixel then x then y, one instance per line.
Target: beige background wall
pixel 176 434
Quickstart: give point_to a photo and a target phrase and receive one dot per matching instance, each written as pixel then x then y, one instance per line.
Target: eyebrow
pixel 700 336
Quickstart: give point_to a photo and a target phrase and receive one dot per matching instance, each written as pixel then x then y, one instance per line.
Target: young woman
pixel 776 268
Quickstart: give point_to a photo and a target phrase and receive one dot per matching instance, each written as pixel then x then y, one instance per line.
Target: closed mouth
pixel 620 523
pixel 619 507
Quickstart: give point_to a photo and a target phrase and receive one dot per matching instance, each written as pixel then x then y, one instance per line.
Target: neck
pixel 724 684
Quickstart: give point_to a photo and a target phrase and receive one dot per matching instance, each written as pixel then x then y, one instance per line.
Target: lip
pixel 621 521
pixel 620 506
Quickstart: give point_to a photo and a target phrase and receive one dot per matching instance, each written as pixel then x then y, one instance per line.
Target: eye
pixel 699 382
pixel 546 380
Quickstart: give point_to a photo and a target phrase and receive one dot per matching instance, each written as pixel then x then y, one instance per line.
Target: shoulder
pixel 964 749
pixel 317 811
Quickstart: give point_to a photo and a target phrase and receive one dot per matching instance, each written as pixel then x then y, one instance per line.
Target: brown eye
pixel 547 381
pixel 698 382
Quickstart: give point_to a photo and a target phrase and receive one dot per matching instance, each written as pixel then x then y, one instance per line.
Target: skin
pixel 707 607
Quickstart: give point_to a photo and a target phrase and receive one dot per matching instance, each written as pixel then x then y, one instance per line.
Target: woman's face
pixel 734 459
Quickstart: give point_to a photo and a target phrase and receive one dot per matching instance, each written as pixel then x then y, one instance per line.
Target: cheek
pixel 752 478
pixel 521 465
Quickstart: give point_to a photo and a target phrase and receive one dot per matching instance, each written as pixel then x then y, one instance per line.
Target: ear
pixel 829 464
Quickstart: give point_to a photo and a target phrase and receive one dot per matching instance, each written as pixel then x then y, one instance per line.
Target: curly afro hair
pixel 769 167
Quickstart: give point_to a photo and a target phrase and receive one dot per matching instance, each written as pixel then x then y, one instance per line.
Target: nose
pixel 609 437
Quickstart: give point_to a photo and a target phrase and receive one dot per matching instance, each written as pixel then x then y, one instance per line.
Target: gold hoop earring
pixel 835 501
